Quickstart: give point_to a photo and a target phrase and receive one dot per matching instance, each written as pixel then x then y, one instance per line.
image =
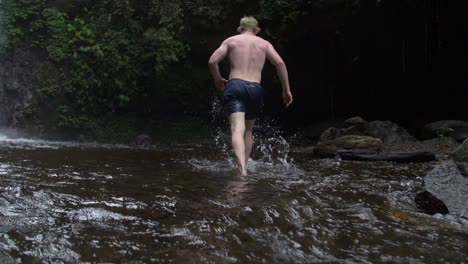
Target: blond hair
pixel 248 23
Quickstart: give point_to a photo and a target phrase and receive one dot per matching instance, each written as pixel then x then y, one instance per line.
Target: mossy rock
pixel 330 134
pixel 348 143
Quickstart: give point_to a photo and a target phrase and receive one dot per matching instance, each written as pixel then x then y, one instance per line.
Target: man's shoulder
pixel 240 37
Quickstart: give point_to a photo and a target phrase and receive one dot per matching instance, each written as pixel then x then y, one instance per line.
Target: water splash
pixel 270 152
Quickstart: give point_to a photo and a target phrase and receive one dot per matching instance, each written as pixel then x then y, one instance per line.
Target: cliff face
pixel 22 71
pixel 15 84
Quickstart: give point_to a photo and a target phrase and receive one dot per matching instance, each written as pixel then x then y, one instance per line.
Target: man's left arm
pixel 215 58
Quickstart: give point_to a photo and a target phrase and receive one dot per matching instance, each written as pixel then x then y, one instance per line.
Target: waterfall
pixel 3 42
pixel 3 37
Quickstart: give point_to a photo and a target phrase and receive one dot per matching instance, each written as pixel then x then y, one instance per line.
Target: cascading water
pixel 3 37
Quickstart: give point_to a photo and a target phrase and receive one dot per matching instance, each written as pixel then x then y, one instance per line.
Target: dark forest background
pixel 140 60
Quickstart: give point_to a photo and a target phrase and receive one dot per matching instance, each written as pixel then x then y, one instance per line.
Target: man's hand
pixel 287 98
pixel 219 84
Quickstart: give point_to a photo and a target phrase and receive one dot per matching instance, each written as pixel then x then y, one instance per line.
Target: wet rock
pixel 348 143
pixel 457 129
pixel 357 122
pixel 395 157
pixel 461 153
pixel 354 130
pixel 429 204
pixel 143 141
pixel 315 130
pixel 330 134
pixel 447 183
pixel 389 132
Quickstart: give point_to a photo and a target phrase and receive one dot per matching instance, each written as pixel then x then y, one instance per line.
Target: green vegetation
pixel 120 57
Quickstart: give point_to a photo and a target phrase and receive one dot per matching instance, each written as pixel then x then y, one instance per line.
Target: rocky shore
pixel 446 185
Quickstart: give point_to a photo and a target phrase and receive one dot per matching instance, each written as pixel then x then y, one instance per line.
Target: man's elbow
pixel 280 64
pixel 211 62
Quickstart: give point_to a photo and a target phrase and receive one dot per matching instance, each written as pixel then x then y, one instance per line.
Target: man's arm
pixel 215 58
pixel 282 71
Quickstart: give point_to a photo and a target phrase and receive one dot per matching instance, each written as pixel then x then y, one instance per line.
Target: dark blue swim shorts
pixel 243 96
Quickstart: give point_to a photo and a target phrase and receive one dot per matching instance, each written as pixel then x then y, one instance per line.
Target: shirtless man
pixel 243 94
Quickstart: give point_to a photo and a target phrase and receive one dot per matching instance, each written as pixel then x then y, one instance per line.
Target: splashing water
pixel 269 153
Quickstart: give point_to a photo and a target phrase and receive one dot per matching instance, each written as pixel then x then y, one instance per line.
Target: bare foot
pixel 243 172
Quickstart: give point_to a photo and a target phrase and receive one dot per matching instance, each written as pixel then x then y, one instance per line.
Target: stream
pixel 63 202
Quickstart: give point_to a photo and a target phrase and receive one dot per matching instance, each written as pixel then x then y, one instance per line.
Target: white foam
pixel 11 139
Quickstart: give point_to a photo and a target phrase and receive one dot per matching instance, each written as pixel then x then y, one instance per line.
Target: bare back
pixel 247 54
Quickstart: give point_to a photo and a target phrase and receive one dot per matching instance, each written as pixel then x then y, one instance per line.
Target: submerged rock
pixel 457 129
pixel 447 183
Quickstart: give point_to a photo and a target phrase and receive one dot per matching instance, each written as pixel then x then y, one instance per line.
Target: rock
pixel 143 141
pixel 395 157
pixel 355 126
pixel 315 130
pixel 429 204
pixel 330 134
pixel 447 183
pixel 389 132
pixel 349 143
pixel 461 153
pixel 354 130
pixel 356 121
pixel 457 129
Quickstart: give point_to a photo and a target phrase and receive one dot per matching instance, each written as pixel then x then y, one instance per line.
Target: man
pixel 243 94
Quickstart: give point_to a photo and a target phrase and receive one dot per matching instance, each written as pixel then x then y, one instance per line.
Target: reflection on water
pixel 63 202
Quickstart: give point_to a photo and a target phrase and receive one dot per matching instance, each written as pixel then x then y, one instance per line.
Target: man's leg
pixel 248 138
pixel 237 121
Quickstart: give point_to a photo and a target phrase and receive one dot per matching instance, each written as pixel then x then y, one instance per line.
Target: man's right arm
pixel 282 71
pixel 215 58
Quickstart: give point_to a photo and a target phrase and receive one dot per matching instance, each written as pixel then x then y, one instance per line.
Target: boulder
pixel 457 129
pixel 348 143
pixel 330 134
pixel 143 141
pixel 461 153
pixel 354 130
pixel 315 130
pixel 356 121
pixel 355 126
pixel 447 183
pixel 389 132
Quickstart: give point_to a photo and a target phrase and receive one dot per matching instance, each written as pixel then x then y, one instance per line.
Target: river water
pixel 183 203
